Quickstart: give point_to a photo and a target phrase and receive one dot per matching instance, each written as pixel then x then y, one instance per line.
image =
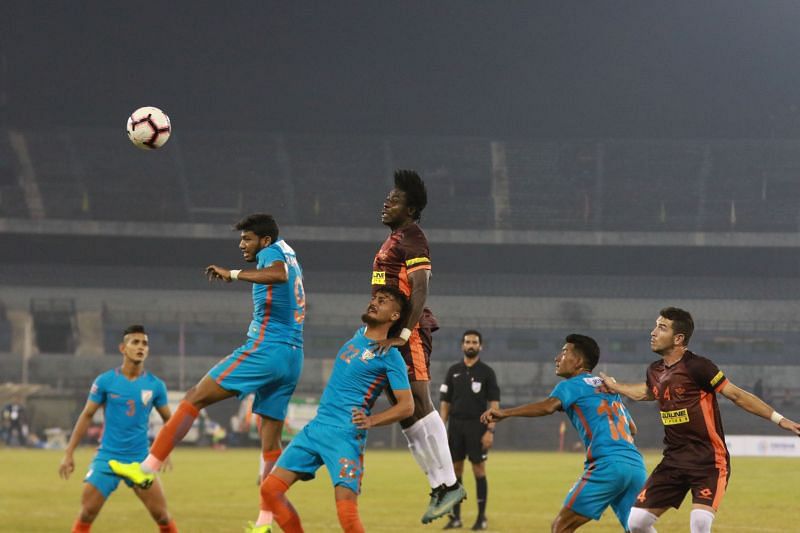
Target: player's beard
pixel 369 321
pixel 471 354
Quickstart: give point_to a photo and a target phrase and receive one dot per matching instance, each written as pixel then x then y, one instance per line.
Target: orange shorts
pixel 417 354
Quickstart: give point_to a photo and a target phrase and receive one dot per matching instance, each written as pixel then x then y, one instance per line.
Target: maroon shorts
pixel 668 485
pixel 417 354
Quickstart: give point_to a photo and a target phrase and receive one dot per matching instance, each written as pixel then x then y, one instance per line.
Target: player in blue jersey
pixel 268 364
pixel 614 472
pixel 128 394
pixel 337 436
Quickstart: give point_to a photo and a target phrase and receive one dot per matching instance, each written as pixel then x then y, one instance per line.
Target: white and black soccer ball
pixel 149 128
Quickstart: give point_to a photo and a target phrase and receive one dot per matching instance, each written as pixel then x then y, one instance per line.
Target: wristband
pixel 235 274
pixel 405 334
pixel 776 417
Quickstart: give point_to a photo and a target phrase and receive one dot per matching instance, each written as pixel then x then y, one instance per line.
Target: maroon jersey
pixel 403 252
pixel 686 394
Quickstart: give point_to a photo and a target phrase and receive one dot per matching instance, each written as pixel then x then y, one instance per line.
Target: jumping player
pixel 128 394
pixel 695 456
pixel 337 436
pixel 614 471
pixel 403 261
pixel 268 364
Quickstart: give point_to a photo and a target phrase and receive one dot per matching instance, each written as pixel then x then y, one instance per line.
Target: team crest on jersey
pixel 366 355
pixel 147 395
pixel 476 387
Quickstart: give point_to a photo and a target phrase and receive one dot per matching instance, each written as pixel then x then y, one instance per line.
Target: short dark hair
pixel 682 321
pixel 472 332
pixel 133 328
pixel 405 307
pixel 587 347
pixel 261 224
pixel 410 183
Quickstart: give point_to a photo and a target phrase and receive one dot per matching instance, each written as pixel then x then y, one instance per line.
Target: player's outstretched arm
pixel 274 274
pixel 543 408
pixel 753 404
pixel 635 391
pixel 67 465
pixel 404 408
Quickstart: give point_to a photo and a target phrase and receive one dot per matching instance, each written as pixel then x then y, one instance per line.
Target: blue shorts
pixel 102 478
pixel 607 483
pixel 270 370
pixel 341 450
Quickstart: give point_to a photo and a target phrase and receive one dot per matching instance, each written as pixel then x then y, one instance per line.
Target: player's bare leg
pixel 427 440
pixel 92 501
pixel 205 393
pixel 347 510
pixel 568 521
pixel 270 431
pixel 156 504
pixel 273 494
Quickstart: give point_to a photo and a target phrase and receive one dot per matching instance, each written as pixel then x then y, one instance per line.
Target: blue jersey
pixel 127 406
pixel 601 419
pixel 279 310
pixel 358 378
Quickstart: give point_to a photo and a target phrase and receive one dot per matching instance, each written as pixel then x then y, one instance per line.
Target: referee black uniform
pixel 469 389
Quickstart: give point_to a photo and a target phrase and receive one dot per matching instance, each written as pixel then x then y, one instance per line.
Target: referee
pixel 468 390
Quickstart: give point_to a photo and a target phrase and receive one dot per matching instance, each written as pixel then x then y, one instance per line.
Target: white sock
pixel 700 521
pixel 415 435
pixel 439 448
pixel 641 521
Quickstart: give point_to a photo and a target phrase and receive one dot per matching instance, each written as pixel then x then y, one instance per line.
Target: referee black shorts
pixel 464 437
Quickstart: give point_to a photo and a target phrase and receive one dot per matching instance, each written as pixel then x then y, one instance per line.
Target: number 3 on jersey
pixel 300 297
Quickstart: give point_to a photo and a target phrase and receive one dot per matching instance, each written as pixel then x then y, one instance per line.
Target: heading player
pixel 695 455
pixel 403 261
pixel 614 471
pixel 128 394
pixel 268 364
pixel 337 436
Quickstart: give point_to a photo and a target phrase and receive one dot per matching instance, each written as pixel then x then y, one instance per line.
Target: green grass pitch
pixel 215 491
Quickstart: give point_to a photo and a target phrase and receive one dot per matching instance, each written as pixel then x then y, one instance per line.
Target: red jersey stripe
pixel 586 428
pixel 720 452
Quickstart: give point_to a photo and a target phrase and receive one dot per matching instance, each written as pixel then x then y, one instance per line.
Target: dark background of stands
pixel 613 119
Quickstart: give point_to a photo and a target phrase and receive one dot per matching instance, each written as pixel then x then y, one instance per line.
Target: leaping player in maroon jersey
pixel 695 455
pixel 404 261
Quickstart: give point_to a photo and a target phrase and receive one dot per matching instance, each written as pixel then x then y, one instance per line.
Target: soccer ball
pixel 148 128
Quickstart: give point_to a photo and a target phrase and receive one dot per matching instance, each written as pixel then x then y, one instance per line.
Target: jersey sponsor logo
pixel 417 260
pixel 670 418
pixel 113 396
pixel 593 381
pixel 476 387
pixel 444 388
pixel 716 379
pixel 147 395
pixel 378 278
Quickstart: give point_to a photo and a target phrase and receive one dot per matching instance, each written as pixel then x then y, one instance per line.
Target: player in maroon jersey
pixel 695 456
pixel 404 261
